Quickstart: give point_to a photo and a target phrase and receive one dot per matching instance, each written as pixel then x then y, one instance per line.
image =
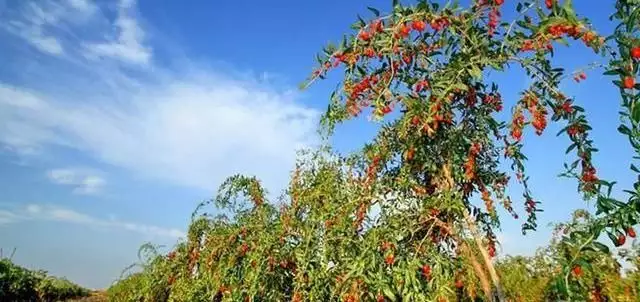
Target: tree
pixel 412 216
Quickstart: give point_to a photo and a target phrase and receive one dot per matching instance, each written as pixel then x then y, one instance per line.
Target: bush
pixel 413 215
pixel 20 284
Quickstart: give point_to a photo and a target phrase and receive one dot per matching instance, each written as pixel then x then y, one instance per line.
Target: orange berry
pixel 389 259
pixel 418 25
pixel 621 240
pixel 628 82
pixel 549 3
pixel 635 53
pixel 364 35
pixel 577 271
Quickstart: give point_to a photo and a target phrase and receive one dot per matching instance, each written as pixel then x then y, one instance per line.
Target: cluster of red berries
pixel 421 85
pixel 409 154
pixel 387 248
pixel 491 248
pixel 471 97
pixel 361 212
pixel 530 45
pixel 574 130
pixel 373 168
pixel 517 124
pixel 470 163
pixel 494 100
pixel 488 202
pixel 350 298
pixel 629 82
pixel 589 175
pixel 563 109
pixel 580 77
pixel 367 33
pixel 530 205
pixel 557 30
pixel 494 18
pixel 538 112
pixel 539 119
pixel 359 92
pixel 243 249
pixel 439 23
pixel 426 271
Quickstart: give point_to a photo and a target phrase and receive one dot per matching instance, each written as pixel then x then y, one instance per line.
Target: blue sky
pixel 118 117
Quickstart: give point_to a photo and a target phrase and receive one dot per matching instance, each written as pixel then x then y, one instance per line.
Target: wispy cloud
pixel 127 43
pixel 38 212
pixel 192 126
pixel 83 181
pixel 39 22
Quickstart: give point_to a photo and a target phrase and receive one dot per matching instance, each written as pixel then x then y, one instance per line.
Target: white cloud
pixel 37 212
pixel 83 181
pixel 192 127
pixel 128 45
pixel 85 6
pixel 8 217
pixel 40 23
pixel 34 209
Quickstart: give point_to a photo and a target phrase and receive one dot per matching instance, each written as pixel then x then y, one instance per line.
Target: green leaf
pixel 388 293
pixel 475 72
pixel 599 246
pixel 613 237
pixel 624 130
pixel 374 11
pixel 635 114
pixel 612 72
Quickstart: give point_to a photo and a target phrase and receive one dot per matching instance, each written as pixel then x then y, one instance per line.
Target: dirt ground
pixel 98 296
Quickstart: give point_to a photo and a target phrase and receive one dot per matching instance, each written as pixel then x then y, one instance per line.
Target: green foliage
pixel 413 215
pixel 20 284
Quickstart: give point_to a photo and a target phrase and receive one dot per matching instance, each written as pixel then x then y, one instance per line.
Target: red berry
pixel 459 283
pixel 404 30
pixel 577 271
pixel 364 35
pixel 631 232
pixel 628 82
pixel 492 252
pixel 426 271
pixel 549 3
pixel 418 25
pixel 621 240
pixel 377 26
pixel 380 298
pixel 389 259
pixel 635 53
pixel 583 76
pixel 499 2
